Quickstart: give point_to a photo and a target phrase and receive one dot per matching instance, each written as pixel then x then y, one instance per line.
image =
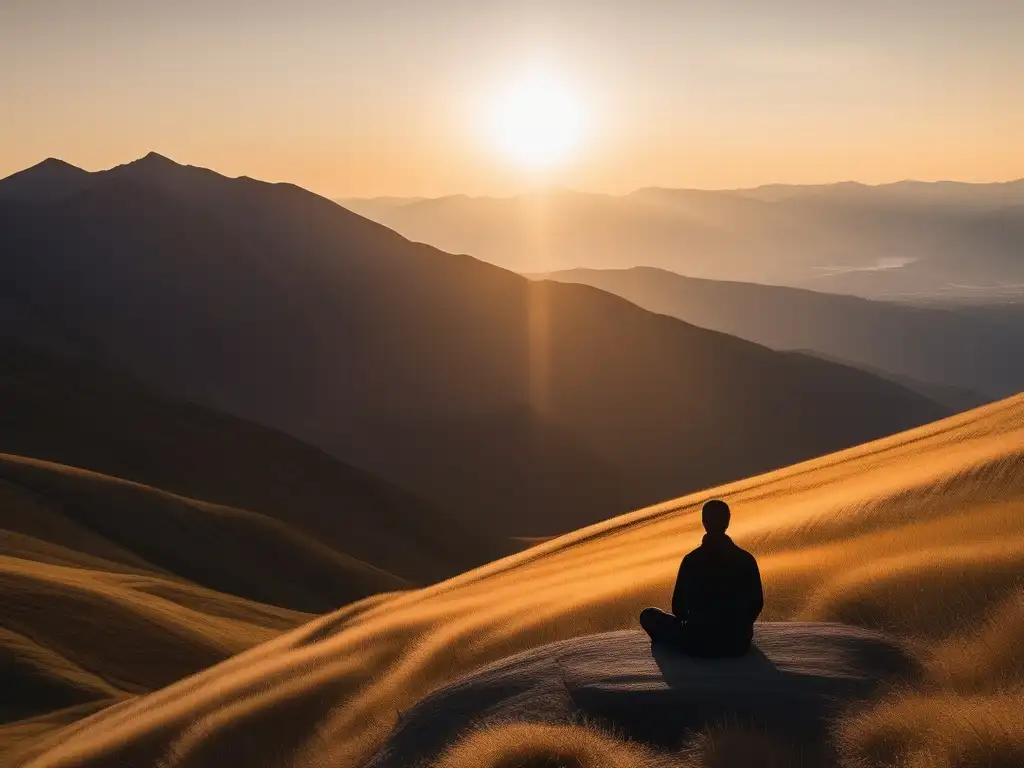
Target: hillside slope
pixel 110 589
pixel 92 416
pixel 529 408
pixel 919 534
pixel 944 346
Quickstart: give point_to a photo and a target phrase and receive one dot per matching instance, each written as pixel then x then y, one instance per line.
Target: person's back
pixel 717 597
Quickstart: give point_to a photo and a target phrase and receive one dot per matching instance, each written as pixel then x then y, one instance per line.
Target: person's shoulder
pixel 749 558
pixel 741 552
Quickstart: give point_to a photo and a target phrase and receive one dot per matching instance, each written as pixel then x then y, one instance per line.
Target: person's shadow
pixel 678 667
pixel 737 690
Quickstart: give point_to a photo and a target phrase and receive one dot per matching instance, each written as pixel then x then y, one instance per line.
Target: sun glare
pixel 536 121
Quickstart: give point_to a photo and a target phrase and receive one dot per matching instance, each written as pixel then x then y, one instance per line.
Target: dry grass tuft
pixel 741 746
pixel 970 717
pixel 538 745
pixel 989 659
pixel 943 730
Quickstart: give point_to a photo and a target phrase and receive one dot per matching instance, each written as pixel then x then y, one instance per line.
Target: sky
pixel 400 97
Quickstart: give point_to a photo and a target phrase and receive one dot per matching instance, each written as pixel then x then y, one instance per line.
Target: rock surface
pixel 794 680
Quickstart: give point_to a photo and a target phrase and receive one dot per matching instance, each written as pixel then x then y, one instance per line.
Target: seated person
pixel 717 597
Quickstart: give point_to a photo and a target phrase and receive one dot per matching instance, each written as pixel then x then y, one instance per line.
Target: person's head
pixel 715 516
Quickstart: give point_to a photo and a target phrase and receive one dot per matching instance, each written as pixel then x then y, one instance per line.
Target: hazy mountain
pixel 956 194
pixel 906 239
pixel 529 407
pixel 941 346
pixel 955 398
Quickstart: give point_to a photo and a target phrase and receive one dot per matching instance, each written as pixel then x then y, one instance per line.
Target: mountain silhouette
pixel 527 407
pixel 50 179
pixel 944 346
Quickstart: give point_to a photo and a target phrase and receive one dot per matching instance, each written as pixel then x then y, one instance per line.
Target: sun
pixel 536 121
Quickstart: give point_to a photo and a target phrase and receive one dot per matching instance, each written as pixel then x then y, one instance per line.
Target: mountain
pixel 954 194
pixel 909 239
pixel 955 398
pixel 944 346
pixel 49 180
pixel 918 535
pixel 528 408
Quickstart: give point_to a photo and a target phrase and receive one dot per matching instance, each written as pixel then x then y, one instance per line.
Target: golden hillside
pixel 920 534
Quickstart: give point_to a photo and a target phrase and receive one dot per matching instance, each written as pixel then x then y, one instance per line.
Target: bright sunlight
pixel 536 121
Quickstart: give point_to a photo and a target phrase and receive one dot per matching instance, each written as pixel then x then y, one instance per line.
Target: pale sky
pixel 393 97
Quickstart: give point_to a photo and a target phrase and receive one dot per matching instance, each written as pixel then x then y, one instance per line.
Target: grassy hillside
pixel 112 588
pixel 84 414
pixel 527 408
pixel 919 534
pixel 222 548
pixel 106 590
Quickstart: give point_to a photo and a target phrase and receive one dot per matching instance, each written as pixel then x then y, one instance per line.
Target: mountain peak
pixel 50 179
pixel 158 169
pixel 155 160
pixel 56 164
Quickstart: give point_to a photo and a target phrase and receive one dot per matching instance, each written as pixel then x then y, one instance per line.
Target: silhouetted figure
pixel 717 597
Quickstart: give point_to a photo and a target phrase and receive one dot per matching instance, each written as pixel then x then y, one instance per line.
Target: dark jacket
pixel 718 593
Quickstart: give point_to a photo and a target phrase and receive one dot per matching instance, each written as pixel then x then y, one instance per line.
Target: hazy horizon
pixel 402 99
pixel 529 190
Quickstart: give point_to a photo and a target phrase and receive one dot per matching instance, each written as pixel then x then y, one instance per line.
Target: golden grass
pixel 989 659
pixel 744 747
pixel 942 730
pixel 538 745
pixel 921 534
pixel 85 620
pixel 71 636
pixel 541 745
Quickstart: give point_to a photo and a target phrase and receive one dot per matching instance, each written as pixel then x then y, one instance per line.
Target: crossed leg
pixel 663 627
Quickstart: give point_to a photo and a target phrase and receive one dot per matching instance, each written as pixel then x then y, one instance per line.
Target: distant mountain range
pixel 905 240
pixel 967 352
pixel 526 408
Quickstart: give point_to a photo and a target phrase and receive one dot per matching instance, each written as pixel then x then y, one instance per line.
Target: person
pixel 717 597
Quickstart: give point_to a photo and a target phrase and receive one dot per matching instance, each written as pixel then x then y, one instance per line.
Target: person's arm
pixel 679 594
pixel 756 591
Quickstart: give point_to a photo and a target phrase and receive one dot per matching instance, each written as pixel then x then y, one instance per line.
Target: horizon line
pixel 548 189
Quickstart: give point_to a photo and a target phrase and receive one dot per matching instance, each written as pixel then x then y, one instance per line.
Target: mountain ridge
pixel 586 404
pixel 940 345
